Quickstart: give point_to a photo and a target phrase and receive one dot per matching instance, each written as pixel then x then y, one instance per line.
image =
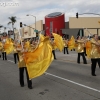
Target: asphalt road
pixel 64 80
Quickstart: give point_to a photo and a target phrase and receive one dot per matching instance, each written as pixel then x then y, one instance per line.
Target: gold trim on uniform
pixel 1 46
pixel 94 50
pixel 80 46
pixel 65 43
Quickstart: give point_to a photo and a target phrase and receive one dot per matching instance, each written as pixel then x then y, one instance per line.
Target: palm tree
pixel 1 26
pixel 12 21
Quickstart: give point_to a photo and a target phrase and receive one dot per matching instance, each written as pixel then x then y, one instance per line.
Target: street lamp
pixel 27 26
pixel 35 19
pixel 86 13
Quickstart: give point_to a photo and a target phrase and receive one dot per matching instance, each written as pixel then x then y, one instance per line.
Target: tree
pixel 12 21
pixel 1 26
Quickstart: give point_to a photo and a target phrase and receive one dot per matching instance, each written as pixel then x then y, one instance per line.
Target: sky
pixel 41 8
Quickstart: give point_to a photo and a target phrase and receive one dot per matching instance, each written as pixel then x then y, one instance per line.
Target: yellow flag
pixel 88 48
pixel 1 46
pixel 8 46
pixel 37 62
pixel 42 37
pixel 58 41
pixel 71 43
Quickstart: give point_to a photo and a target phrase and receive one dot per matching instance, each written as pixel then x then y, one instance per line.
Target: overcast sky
pixel 40 8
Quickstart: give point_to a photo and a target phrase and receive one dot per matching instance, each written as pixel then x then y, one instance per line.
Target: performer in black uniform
pixel 16 57
pixel 22 65
pixel 4 38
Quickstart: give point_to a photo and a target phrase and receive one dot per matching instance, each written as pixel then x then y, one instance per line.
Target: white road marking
pixel 68 80
pixel 10 61
pixel 73 82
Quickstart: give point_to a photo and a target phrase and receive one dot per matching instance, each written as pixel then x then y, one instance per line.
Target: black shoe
pixel 85 63
pixel 22 85
pixel 30 87
pixel 94 75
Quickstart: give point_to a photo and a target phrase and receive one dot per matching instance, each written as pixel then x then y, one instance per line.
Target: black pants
pixel 93 65
pixel 53 51
pixel 85 51
pixel 0 55
pixel 4 55
pixel 66 49
pixel 83 56
pixel 21 77
pixel 16 57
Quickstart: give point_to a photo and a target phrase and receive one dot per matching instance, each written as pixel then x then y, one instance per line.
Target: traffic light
pixel 77 15
pixel 21 24
pixel 36 34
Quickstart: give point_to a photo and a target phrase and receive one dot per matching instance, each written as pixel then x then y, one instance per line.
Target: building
pixel 30 31
pixel 82 26
pixel 54 22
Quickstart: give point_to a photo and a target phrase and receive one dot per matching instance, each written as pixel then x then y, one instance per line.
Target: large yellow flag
pixel 42 37
pixel 8 46
pixel 88 48
pixel 58 41
pixel 71 43
pixel 38 61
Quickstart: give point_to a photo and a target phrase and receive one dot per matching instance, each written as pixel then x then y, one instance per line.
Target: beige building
pixel 76 26
pixel 88 24
pixel 28 31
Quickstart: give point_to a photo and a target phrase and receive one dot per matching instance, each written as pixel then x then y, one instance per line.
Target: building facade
pixel 54 22
pixel 82 26
pixel 89 24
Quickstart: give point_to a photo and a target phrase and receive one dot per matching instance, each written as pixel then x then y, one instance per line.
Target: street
pixel 64 80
